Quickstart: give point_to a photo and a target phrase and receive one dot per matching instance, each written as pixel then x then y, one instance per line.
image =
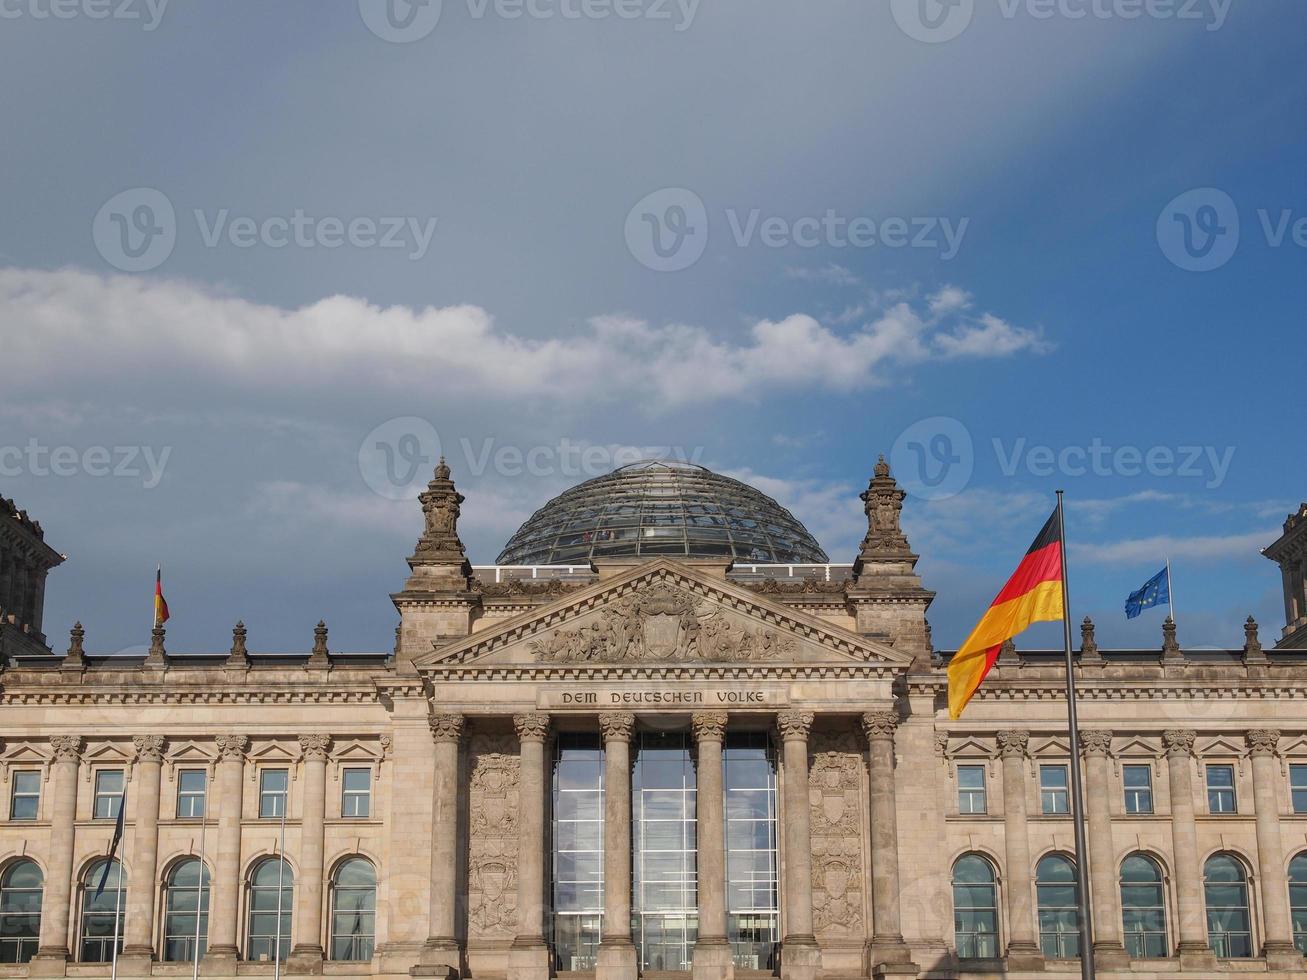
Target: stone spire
pixel 1089 654
pixel 75 658
pixel 319 658
pixel 1171 652
pixel 157 658
pixel 440 507
pixel 1252 644
pixel 239 655
pixel 883 502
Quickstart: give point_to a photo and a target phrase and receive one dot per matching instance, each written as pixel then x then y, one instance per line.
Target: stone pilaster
pixel 1023 951
pixel 616 960
pixel 306 956
pixel 52 952
pixel 712 953
pixel 887 954
pixel 221 954
pixel 1191 909
pixel 1109 951
pixel 528 959
pixel 442 956
pixel 1278 948
pixel 139 918
pixel 800 956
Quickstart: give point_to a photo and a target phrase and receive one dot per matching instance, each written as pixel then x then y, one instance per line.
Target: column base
pixel 528 959
pixel 1024 956
pixel 888 951
pixel 398 957
pixel 305 959
pixel 49 962
pixel 1111 956
pixel 800 958
pixel 439 958
pixel 1197 956
pixel 219 961
pixel 712 960
pixel 616 960
pixel 1282 956
pixel 136 960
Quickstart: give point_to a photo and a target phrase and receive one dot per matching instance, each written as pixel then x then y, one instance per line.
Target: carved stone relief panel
pixel 494 768
pixel 836 795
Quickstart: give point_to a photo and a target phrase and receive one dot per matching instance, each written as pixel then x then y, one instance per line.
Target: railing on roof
pixel 511 573
pixel 751 572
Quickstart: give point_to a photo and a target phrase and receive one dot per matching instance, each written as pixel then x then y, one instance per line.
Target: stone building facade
pixel 652 764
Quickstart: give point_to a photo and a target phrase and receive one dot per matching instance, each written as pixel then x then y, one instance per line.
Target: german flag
pixel 1032 594
pixel 160 604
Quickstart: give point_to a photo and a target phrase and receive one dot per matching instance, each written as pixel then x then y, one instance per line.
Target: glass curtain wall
pixel 578 850
pixel 665 871
pixel 752 912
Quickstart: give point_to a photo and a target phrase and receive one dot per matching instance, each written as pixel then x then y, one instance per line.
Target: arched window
pixel 1059 912
pixel 20 911
pixel 186 900
pixel 272 887
pixel 102 914
pixel 353 910
pixel 975 908
pixel 1143 908
pixel 1298 900
pixel 1229 924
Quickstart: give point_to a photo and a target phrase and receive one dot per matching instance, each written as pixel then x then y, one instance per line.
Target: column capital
pixel 532 726
pixel 446 727
pixel 1179 741
pixel 880 724
pixel 794 724
pixel 1263 741
pixel 1013 742
pixel 232 746
pixel 314 747
pixel 709 725
pixel 617 726
pixel 1096 742
pixel 149 748
pixel 67 748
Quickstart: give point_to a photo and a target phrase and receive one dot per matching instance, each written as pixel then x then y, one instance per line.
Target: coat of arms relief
pixel 492 857
pixel 835 795
pixel 663 624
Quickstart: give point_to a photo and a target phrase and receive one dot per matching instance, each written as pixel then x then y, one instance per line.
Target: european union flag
pixel 1155 591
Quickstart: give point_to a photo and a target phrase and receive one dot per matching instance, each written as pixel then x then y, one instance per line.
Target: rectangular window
pixel 1053 789
pixel 272 792
pixel 25 798
pixel 108 794
pixel 356 793
pixel 1298 786
pixel 971 789
pixel 1220 789
pixel 1138 788
pixel 190 793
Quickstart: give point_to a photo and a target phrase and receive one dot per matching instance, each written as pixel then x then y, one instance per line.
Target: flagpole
pixel 281 878
pixel 1170 588
pixel 199 887
pixel 1077 788
pixel 118 896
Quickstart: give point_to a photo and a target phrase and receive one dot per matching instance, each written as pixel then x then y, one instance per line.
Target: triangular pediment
pixel 664 613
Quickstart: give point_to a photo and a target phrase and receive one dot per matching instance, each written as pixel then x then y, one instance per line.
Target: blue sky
pixel 516 162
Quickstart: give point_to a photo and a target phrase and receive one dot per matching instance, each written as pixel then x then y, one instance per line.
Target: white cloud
pixel 949 299
pixel 1199 548
pixel 990 337
pixel 831 274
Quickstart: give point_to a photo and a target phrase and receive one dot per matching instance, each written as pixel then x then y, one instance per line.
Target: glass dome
pixel 656 508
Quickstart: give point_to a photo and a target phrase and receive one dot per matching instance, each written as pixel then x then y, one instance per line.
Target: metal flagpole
pixel 281 877
pixel 199 886
pixel 1170 589
pixel 118 897
pixel 1077 789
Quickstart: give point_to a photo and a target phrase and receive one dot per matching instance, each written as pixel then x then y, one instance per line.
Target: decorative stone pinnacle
pixel 1013 742
pixel 148 747
pixel 67 748
pixel 709 725
pixel 441 506
pixel 1252 644
pixel 617 725
pixel 1170 646
pixel 1096 742
pixel 446 727
pixel 1263 741
pixel 76 656
pixel 239 656
pixel 1007 654
pixel 232 746
pixel 883 502
pixel 318 656
pixel 315 747
pixel 880 724
pixel 794 724
pixel 1089 643
pixel 1179 741
pixel 532 726
pixel 158 656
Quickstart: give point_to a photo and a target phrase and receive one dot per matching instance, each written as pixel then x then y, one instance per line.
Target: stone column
pixel 442 955
pixel 1279 950
pixel 1109 951
pixel 221 954
pixel 887 954
pixel 138 926
pixel 712 953
pixel 616 960
pixel 1023 952
pixel 52 953
pixel 306 955
pixel 528 959
pixel 800 957
pixel 1190 905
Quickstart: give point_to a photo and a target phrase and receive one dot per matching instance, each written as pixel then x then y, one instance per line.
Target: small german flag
pixel 1033 594
pixel 160 604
